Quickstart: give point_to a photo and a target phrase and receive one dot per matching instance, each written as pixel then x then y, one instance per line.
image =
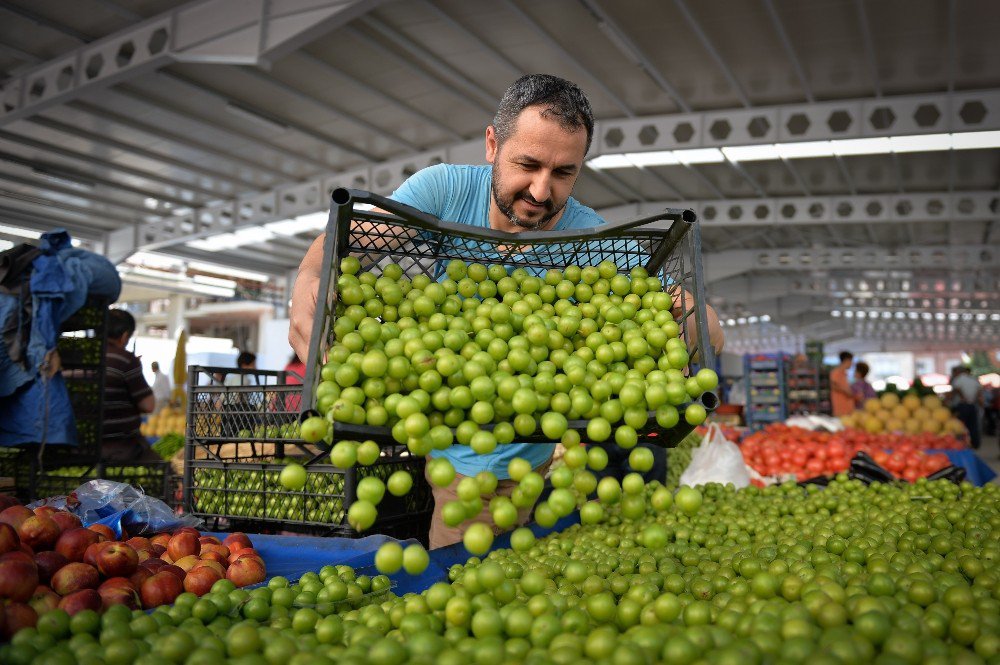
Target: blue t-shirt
pixel 461 194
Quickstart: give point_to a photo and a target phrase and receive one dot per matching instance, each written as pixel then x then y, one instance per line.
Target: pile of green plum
pixel 901 573
pixel 485 356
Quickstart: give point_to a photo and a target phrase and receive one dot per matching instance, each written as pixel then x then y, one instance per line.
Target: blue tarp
pixel 977 471
pixel 62 278
pixel 292 556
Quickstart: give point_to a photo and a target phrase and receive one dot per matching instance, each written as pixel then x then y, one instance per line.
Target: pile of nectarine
pixel 48 559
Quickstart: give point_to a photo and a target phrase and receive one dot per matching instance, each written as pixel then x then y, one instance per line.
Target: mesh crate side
pixel 663 243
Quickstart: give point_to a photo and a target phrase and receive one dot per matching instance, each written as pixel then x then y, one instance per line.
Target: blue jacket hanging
pixel 55 284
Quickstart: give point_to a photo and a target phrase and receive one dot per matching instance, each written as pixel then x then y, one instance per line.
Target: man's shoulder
pixel 449 174
pixel 578 216
pixel 120 357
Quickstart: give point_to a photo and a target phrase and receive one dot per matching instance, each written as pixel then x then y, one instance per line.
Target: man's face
pixel 534 171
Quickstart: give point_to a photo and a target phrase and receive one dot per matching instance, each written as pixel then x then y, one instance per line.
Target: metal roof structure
pixel 843 155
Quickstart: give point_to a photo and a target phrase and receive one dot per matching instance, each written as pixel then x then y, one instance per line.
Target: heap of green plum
pixel 901 573
pixel 484 357
pixel 680 457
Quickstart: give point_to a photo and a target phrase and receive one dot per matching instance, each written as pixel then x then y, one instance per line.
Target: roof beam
pixel 165 104
pixel 765 125
pixel 397 104
pixel 212 31
pixel 713 52
pixel 551 41
pixel 441 67
pixel 280 121
pixel 867 209
pixel 39 208
pixel 83 194
pixel 410 64
pixel 631 50
pixel 723 265
pixel 292 91
pixel 159 132
pixel 633 135
pixel 87 178
pixel 156 157
pixel 786 43
pixel 111 166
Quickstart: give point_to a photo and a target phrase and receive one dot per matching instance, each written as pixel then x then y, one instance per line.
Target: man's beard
pixel 506 206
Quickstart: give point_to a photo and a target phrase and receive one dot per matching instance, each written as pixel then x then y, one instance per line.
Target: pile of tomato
pixel 780 450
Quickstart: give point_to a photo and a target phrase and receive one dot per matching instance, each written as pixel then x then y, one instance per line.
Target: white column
pixel 175 316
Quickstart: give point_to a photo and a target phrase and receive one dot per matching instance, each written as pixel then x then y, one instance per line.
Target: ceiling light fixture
pixel 20 232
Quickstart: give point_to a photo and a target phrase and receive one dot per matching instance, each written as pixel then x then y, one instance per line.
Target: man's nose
pixel 540 187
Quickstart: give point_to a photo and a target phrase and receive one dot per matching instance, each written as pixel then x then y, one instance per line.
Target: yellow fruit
pixel 894 425
pixel 883 415
pixel 932 426
pixel 889 400
pixel 911 426
pixel 873 424
pixel 955 426
pixel 922 414
pixel 900 412
pixel 872 405
pixel 931 402
pixel 941 414
pixel 849 421
pixel 911 402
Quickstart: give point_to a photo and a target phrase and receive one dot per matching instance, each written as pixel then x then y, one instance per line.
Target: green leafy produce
pixel 169 445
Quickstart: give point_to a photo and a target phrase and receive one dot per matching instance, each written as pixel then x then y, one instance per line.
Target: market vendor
pixel 126 397
pixel 535 151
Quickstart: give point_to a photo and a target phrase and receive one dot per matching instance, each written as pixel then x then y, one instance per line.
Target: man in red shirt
pixel 126 397
pixel 841 394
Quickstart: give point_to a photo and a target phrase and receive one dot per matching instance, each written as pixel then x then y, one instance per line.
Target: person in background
pixel 126 397
pixel 841 393
pixel 862 389
pixel 968 400
pixel 244 361
pixel 295 374
pixel 161 387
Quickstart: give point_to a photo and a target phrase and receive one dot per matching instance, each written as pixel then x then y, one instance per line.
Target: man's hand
pixel 715 335
pixel 51 364
pixel 304 295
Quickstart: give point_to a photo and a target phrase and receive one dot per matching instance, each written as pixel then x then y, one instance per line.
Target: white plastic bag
pixel 816 423
pixel 716 460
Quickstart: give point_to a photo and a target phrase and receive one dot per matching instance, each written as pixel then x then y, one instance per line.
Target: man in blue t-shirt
pixel 535 150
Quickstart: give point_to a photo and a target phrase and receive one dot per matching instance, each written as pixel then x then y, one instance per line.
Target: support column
pixel 175 316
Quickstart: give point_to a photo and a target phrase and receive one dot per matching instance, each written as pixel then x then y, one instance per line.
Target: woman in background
pixel 862 389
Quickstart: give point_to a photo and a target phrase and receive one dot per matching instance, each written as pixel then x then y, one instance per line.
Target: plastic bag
pixel 716 460
pixel 127 510
pixel 816 423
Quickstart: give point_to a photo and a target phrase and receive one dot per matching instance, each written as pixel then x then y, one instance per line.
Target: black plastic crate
pixel 82 352
pixel 250 492
pixel 667 244
pixel 152 478
pixel 258 406
pixel 239 438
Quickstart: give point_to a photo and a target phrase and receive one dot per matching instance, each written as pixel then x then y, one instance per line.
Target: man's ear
pixel 491 144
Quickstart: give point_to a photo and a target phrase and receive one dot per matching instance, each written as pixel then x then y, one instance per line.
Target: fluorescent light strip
pixel 20 232
pixel 226 270
pixel 803 149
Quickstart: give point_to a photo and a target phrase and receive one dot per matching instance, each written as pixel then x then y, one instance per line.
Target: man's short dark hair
pixel 862 369
pixel 245 358
pixel 119 323
pixel 846 355
pixel 563 100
